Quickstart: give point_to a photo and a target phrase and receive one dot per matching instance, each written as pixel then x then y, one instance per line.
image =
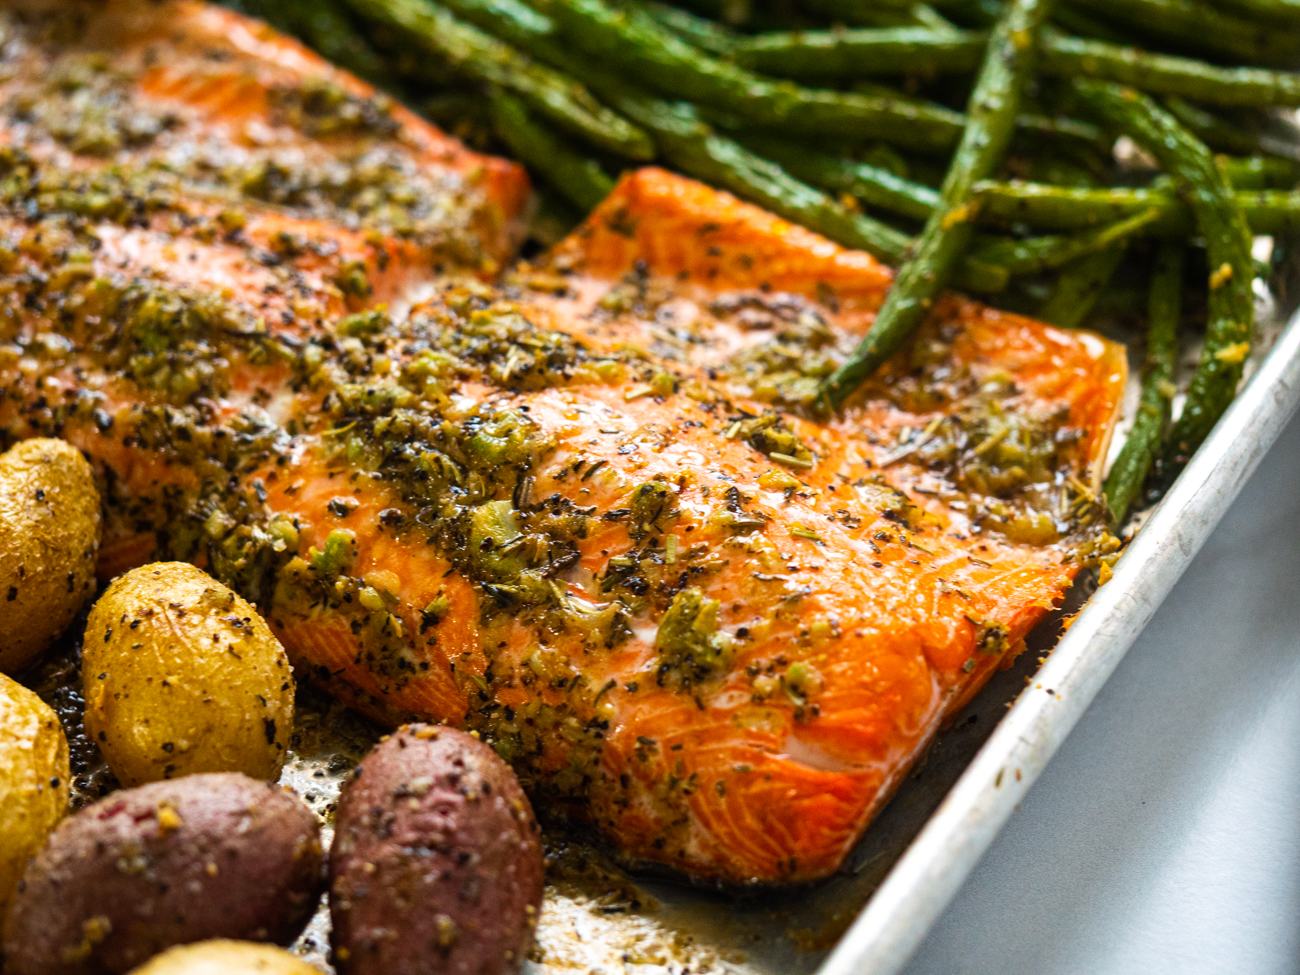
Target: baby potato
pixel 33 780
pixel 49 539
pixel 181 676
pixel 221 957
pixel 168 863
pixel 436 867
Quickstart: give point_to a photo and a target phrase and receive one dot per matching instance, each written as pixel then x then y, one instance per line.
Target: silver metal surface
pixel 929 873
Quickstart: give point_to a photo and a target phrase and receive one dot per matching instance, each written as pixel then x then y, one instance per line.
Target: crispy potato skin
pixel 206 856
pixel 436 865
pixel 222 957
pixel 49 541
pixel 34 779
pixel 182 676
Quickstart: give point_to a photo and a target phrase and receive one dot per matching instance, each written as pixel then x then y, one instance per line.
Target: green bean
pixel 1284 12
pixel 854 53
pixel 1231 308
pixel 1163 74
pixel 328 29
pixel 1048 207
pixel 1085 25
pixel 1214 131
pixel 1243 135
pixel 1164 309
pixel 870 184
pixel 487 60
pixel 1261 172
pixel 656 57
pixel 1198 27
pixel 831 54
pixel 578 178
pixel 1080 285
pixel 1035 254
pixel 993 108
pixel 697 31
pixel 977 13
pixel 872 13
pixel 687 143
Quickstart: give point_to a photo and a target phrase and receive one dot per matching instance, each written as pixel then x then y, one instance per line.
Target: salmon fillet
pixel 583 510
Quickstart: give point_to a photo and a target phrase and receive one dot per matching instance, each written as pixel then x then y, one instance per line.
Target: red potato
pixel 436 867
pixel 205 856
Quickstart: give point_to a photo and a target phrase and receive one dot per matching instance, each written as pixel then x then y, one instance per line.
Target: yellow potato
pixel 222 957
pixel 182 676
pixel 49 538
pixel 33 780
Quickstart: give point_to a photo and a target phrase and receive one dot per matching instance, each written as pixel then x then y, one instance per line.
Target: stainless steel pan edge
pixel 928 875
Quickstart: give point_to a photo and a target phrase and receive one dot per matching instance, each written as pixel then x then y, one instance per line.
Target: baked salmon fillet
pixel 584 511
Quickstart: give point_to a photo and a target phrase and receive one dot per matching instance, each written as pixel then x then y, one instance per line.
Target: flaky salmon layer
pixel 586 511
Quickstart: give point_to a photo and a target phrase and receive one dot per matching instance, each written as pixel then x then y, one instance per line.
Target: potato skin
pixel 49 540
pixel 182 676
pixel 34 778
pixel 222 957
pixel 436 865
pixel 206 856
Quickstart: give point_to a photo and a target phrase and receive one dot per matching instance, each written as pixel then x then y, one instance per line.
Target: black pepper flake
pixel 341 507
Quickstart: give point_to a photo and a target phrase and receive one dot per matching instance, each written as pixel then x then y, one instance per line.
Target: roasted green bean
pixel 1197 26
pixel 830 54
pixel 1035 254
pixel 578 178
pixel 1222 223
pixel 327 28
pixel 1164 309
pixel 657 57
pixel 870 184
pixel 487 60
pixel 1049 207
pixel 992 112
pixel 834 54
pixel 1080 285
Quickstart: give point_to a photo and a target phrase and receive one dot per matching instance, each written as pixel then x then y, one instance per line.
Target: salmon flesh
pixel 582 506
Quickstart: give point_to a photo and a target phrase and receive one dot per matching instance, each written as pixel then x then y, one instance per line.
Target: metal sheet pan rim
pixel 928 875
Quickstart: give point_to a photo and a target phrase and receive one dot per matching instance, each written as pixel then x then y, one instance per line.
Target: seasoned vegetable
pixel 222 957
pixel 1129 472
pixel 1066 208
pixel 182 675
pixel 834 54
pixel 1227 239
pixel 436 864
pixel 1080 286
pixel 49 538
pixel 993 109
pixel 872 185
pixel 1198 26
pixel 579 178
pixel 858 53
pixel 486 59
pixel 206 856
pixel 33 780
pixel 1034 254
pixel 657 57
